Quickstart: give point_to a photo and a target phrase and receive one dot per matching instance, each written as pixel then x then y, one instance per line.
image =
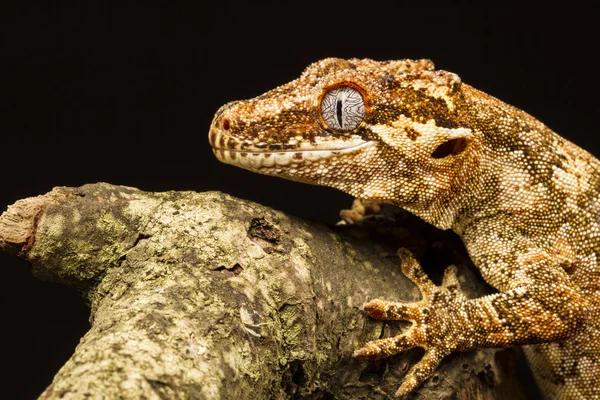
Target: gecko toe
pixel 389 310
pixel 413 271
pixel 387 347
pixel 421 371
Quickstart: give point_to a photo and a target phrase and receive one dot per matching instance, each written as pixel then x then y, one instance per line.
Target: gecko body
pixel 524 200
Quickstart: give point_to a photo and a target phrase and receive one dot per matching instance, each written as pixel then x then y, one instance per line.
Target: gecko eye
pixel 343 108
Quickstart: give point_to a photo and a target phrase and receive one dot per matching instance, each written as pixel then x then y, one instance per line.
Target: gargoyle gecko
pixel 524 200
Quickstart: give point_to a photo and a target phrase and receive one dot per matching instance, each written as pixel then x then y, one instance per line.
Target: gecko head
pixel 388 131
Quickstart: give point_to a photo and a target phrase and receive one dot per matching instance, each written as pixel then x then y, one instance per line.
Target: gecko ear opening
pixel 450 147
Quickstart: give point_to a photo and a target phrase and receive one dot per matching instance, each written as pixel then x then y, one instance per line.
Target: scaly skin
pixel 523 199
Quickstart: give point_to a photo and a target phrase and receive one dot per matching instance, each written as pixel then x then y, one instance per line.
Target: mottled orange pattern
pixel 523 199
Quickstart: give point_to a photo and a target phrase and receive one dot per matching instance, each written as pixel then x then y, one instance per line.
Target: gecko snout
pixel 221 126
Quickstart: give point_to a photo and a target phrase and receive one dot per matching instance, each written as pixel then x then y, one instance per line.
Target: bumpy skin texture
pixel 524 201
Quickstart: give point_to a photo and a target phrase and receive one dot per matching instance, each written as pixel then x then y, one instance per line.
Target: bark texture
pixel 205 296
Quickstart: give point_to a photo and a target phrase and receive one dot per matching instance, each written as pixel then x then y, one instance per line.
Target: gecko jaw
pixel 272 159
pixel 259 158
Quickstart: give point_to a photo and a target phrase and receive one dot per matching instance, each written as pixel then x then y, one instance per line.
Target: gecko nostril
pixel 226 124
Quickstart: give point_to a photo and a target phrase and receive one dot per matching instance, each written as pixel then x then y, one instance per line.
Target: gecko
pixel 524 201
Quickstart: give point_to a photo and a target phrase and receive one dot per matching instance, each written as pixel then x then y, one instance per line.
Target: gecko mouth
pixel 251 156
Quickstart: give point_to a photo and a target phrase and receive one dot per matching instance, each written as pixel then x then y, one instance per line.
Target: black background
pixel 125 93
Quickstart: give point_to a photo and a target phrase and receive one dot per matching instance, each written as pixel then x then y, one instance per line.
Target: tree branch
pixel 201 295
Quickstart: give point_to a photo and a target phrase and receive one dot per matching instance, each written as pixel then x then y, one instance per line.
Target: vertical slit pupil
pixel 339 108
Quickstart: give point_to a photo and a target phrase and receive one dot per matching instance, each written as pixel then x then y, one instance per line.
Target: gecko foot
pixel 360 209
pixel 436 321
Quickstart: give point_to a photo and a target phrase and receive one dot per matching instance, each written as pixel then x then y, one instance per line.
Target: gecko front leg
pixel 444 320
pixel 446 297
